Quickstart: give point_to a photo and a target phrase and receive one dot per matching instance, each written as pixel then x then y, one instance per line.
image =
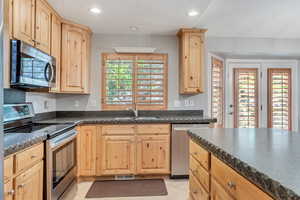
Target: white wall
pixel 42 102
pixel 105 43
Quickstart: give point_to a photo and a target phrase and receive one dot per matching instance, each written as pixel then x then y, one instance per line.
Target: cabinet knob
pixel 231 185
pixel 191 77
pixel 11 193
pixel 33 156
pixel 21 185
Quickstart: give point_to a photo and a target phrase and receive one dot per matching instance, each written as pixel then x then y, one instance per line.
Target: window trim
pixel 213 59
pixel 269 99
pixel 134 96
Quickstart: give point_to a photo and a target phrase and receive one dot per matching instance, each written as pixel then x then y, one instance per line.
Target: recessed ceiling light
pixel 134 28
pixel 193 13
pixel 95 10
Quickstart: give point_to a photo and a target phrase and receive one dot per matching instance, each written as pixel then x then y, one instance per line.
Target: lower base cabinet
pixel 225 182
pixel 153 154
pixel 217 192
pixel 129 149
pixel 118 155
pixel 8 191
pixel 29 185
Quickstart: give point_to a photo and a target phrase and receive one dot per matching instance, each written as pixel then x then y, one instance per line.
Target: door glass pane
pixel 245 98
pixel 279 98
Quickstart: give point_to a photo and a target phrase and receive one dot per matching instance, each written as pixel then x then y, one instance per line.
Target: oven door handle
pixel 61 140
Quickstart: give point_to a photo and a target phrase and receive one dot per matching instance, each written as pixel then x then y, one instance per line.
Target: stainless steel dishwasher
pixel 180 149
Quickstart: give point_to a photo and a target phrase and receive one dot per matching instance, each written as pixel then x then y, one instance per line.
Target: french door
pixel 259 95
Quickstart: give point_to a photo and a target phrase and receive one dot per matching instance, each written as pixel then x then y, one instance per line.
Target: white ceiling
pixel 223 18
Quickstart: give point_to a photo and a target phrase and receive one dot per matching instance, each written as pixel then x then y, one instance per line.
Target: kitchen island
pixel 267 158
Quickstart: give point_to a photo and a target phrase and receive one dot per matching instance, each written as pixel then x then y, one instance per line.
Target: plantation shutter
pixel 217 100
pixel 134 81
pixel 279 98
pixel 246 98
pixel 151 82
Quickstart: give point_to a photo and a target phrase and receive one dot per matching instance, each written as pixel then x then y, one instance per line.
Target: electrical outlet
pixel 46 105
pixel 76 103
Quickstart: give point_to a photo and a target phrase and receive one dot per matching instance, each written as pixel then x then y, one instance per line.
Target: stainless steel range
pixel 60 147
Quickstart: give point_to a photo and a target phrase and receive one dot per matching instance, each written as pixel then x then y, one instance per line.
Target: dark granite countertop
pixel 14 142
pixel 126 120
pixel 268 158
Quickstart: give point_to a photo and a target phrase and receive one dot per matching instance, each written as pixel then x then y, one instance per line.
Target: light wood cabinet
pixel 191 54
pixel 236 185
pixel 75 59
pixel 56 49
pixel 42 26
pixel 217 192
pixel 23 172
pixel 118 155
pixel 24 20
pixel 218 180
pixel 86 151
pixel 153 154
pixel 8 191
pixel 29 185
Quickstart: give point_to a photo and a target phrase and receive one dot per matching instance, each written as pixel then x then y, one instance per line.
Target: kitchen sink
pixel 124 118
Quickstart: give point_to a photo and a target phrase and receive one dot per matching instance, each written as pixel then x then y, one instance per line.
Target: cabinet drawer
pixel 196 190
pixel 199 172
pixel 218 192
pixel 8 168
pixel 200 154
pixel 153 129
pixel 8 191
pixel 118 130
pixel 235 184
pixel 28 157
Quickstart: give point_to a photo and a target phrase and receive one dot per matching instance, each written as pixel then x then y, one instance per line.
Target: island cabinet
pixel 23 174
pixel 212 178
pixel 32 23
pixel 191 59
pixel 127 149
pixel 75 59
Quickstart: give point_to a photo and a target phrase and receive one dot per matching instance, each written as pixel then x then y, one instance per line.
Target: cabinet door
pixel 73 58
pixel 8 191
pixel 29 185
pixel 118 155
pixel 56 49
pixel 153 154
pixel 217 192
pixel 24 20
pixel 195 63
pixel 43 26
pixel 87 150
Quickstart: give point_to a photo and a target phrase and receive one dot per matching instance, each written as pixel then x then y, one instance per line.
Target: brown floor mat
pixel 128 188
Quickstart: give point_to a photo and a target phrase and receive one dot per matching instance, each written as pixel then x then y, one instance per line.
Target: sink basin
pixel 124 118
pixel 147 118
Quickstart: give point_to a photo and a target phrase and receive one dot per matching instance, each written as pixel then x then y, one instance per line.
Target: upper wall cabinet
pixel 191 55
pixel 24 20
pixel 32 23
pixel 43 26
pixel 75 59
pixel 56 48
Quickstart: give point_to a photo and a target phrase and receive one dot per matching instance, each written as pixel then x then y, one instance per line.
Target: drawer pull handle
pixel 195 153
pixel 231 185
pixel 11 193
pixel 33 156
pixel 21 186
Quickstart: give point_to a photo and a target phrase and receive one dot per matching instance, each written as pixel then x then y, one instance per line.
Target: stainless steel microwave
pixel 31 67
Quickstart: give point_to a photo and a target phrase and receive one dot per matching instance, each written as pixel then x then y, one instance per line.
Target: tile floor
pixel 177 190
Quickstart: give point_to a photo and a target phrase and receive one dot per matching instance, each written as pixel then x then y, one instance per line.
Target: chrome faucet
pixel 135 112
